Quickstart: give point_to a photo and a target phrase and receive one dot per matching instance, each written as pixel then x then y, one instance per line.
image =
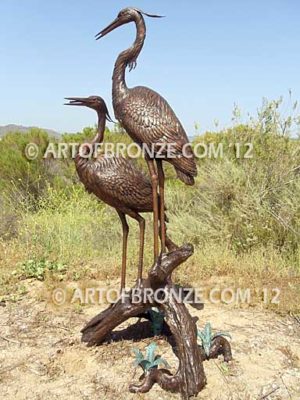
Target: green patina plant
pixel 150 360
pixel 157 320
pixel 207 337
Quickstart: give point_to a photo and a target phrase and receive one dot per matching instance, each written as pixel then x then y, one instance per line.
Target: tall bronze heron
pixel 149 120
pixel 115 180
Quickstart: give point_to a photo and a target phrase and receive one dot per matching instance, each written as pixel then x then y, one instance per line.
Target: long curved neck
pixel 100 129
pixel 128 57
pixel 87 148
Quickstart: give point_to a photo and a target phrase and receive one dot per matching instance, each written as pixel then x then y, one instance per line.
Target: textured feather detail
pixel 117 182
pixel 148 118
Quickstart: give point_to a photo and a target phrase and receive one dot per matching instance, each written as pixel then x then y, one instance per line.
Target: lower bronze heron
pixel 116 181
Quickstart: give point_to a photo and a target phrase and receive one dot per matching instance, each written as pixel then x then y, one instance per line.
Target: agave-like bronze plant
pixel 150 360
pixel 207 337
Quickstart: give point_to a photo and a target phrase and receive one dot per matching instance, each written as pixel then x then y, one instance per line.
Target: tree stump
pixel 190 377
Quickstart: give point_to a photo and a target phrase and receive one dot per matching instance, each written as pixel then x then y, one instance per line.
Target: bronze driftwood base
pixel 190 377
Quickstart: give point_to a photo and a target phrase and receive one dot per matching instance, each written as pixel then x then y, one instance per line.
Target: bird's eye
pixel 126 12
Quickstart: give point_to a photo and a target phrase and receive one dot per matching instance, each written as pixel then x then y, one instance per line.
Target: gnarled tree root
pixel 189 378
pixel 220 346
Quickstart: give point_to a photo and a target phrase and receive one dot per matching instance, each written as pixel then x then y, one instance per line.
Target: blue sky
pixel 203 57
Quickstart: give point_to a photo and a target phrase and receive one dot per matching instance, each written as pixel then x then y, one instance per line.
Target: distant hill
pixel 19 128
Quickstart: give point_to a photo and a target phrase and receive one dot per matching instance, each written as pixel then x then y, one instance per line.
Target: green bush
pixel 25 180
pixel 238 206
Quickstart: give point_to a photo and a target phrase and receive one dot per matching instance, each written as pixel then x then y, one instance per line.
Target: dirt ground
pixel 42 357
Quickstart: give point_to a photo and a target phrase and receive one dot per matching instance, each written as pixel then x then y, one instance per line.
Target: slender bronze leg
pixel 161 183
pixel 154 181
pixel 124 250
pixel 141 222
pixel 170 245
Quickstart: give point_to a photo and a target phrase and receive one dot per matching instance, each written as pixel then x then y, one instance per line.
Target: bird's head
pixel 125 16
pixel 94 102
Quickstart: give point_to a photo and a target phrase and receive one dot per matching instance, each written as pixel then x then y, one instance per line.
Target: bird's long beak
pixel 77 101
pixel 115 24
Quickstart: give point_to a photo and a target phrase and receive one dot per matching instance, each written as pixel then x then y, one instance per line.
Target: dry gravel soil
pixel 42 357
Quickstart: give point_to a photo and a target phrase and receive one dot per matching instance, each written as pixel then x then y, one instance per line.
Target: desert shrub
pixel 239 209
pixel 66 225
pixel 16 171
pixel 245 203
pixel 23 179
pixel 8 219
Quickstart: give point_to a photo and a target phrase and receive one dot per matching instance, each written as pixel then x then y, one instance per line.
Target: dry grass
pixel 242 215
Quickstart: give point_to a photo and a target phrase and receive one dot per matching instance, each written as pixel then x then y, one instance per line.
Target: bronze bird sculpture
pixel 149 120
pixel 115 180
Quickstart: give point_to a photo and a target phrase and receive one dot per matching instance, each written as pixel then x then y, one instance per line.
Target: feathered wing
pixel 149 119
pixel 116 181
